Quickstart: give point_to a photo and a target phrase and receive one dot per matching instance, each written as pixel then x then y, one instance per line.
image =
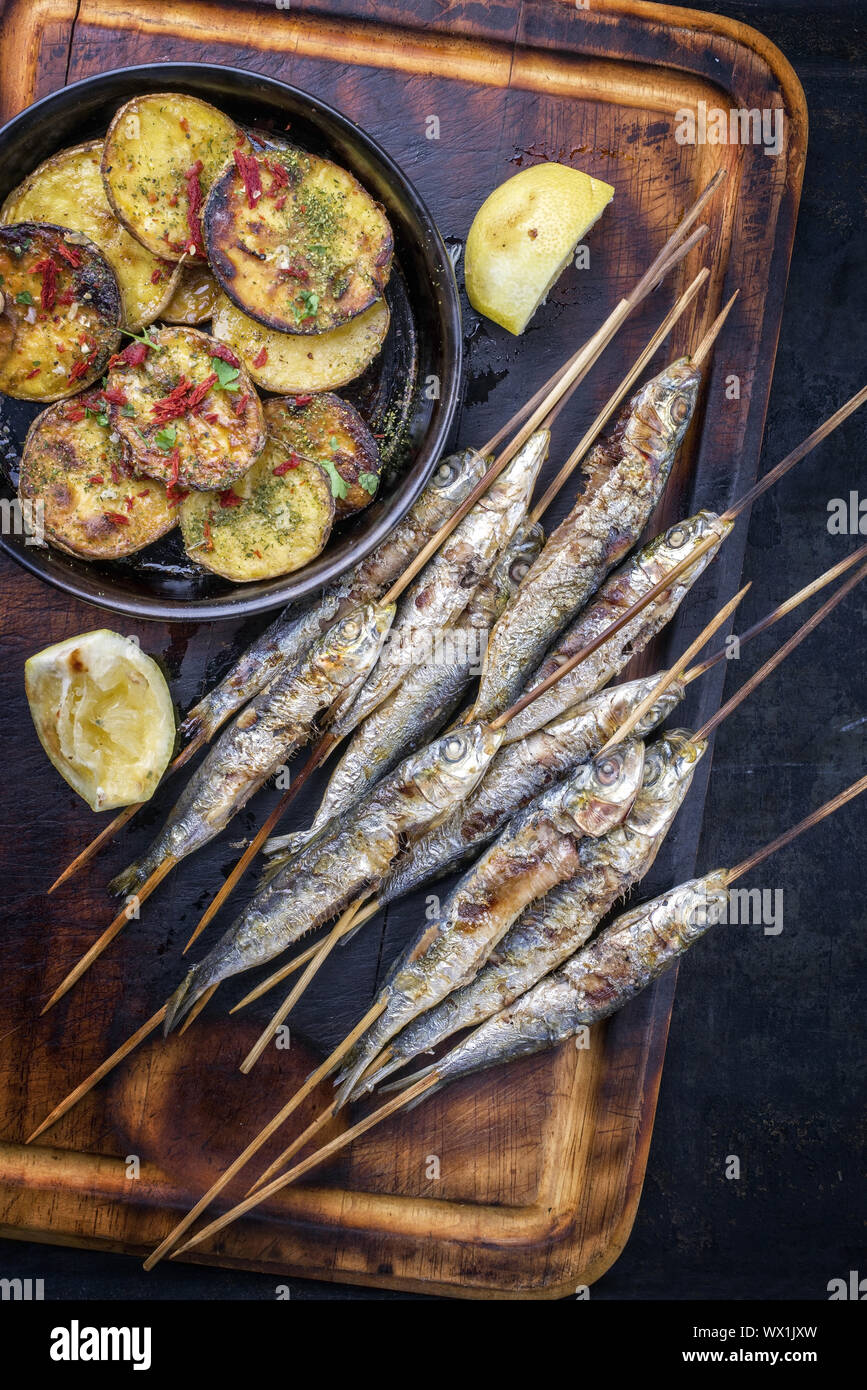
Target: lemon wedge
pixel 104 716
pixel 523 236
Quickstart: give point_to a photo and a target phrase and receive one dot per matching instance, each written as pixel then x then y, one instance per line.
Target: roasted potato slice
pixel 287 362
pixel 189 416
pixel 276 519
pixel 295 241
pixel 61 311
pixel 67 191
pixel 162 152
pixel 76 466
pixel 194 297
pixel 330 431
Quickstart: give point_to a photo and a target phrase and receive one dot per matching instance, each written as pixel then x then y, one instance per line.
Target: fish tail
pixel 349 1077
pixel 287 844
pixel 273 865
pixel 191 988
pixel 389 1065
pixel 135 874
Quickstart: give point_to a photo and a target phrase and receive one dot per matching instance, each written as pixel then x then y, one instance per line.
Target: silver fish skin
pixel 597 981
pixel 263 736
pixel 626 475
pixel 436 599
pixel 418 709
pixel 536 851
pixel 330 874
pixel 553 928
pixel 517 775
pixel 301 623
pixel 638 574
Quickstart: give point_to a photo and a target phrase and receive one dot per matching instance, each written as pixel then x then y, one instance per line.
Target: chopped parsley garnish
pixel 369 481
pixel 166 439
pixel 24 297
pixel 100 416
pixel 143 337
pixel 309 306
pixel 128 411
pixel 339 488
pixel 227 375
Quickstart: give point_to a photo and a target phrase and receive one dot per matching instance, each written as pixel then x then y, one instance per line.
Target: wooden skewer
pixel 344 922
pixel 278 976
pixel 617 396
pixel 782 609
pixel 299 1142
pixel 255 1144
pixel 120 820
pixel 110 933
pixel 814 818
pixel 425 1083
pixel 773 662
pixel 674 672
pixel 712 333
pixel 96 1076
pixel 341 1141
pixel 200 1004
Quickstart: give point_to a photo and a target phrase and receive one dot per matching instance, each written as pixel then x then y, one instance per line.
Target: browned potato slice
pixel 194 298
pixel 161 155
pixel 288 362
pixel 332 432
pixel 67 191
pixel 276 519
pixel 79 470
pixel 295 241
pixel 61 311
pixel 188 416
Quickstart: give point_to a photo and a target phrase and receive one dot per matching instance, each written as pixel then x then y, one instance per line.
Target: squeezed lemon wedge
pixel 523 236
pixel 104 716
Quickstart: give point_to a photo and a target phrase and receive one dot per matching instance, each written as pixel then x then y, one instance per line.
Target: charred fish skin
pixel 626 476
pixel 634 578
pixel 303 622
pixel 423 703
pixel 436 599
pixel 536 851
pixel 519 772
pixel 598 980
pixel 263 736
pixel 551 929
pixel 334 871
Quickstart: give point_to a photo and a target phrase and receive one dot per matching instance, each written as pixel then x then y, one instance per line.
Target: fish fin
pixel 287 845
pixel 182 1000
pixel 403 1081
pixel 132 877
pixel 370 1083
pixel 353 1073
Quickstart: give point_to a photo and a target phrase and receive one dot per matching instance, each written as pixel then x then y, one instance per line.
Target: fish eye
pixel 677 536
pixel 518 570
pixel 453 748
pixel 652 769
pixel 445 472
pixel 608 771
pixel 679 409
pixel 350 628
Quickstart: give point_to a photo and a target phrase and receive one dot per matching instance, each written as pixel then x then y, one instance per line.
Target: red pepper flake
pixel 225 355
pixel 240 405
pixel 175 495
pixel 48 270
pixel 146 493
pixel 130 503
pixel 185 399
pixel 240 137
pixel 35 372
pixel 115 473
pixel 280 203
pixel 132 356
pixel 258 553
pixel 66 297
pixel 96 479
pixel 212 418
pixel 115 395
pixel 279 172
pixel 70 254
pixel 229 498
pixel 174 466
pixel 194 205
pixel 184 125
pixel 206 532
pixel 294 272
pixel 75 414
pixel 80 368
pixel 248 168
pixel 303 207
pixel 117 518
pixel 292 462
pixel 302 400
pixel 152 197
pixel 173 200
pixel 158 274
pixel 261 357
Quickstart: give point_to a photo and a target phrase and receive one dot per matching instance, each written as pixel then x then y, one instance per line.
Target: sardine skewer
pixel 146 1029
pixel 568 981
pixel 672 253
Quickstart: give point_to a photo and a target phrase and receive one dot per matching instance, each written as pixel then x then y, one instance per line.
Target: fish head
pixel 451 766
pixel 675 544
pixel 352 645
pixel 673 394
pixel 669 764
pixel 600 794
pixel 522 551
pixel 455 476
pixel 626 697
pixel 701 902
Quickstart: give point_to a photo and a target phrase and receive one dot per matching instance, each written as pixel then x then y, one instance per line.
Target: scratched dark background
pixel 765 1058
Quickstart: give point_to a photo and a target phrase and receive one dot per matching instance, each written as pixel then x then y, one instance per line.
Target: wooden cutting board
pixel 523 1182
